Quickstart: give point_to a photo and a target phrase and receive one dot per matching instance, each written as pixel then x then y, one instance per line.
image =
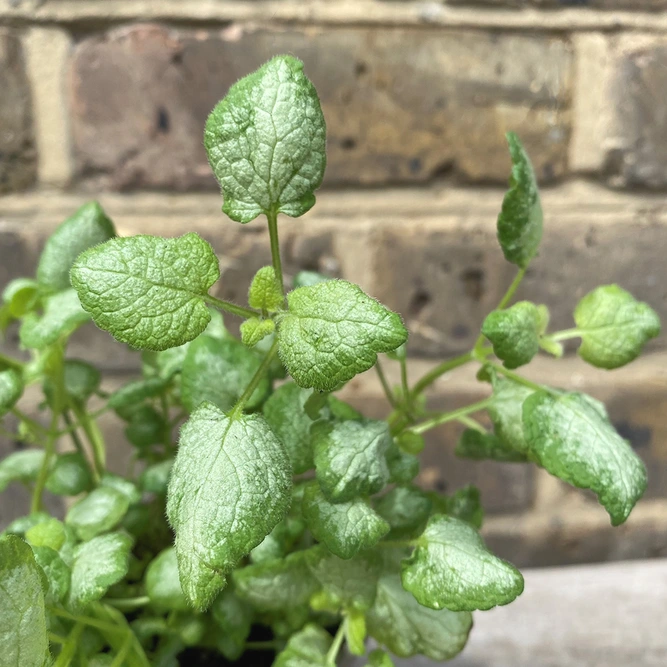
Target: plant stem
pixel 396 544
pixel 237 410
pixel 275 248
pixel 94 436
pixel 471 423
pixel 28 420
pixel 440 369
pixel 69 647
pixel 119 660
pixel 332 655
pixel 517 378
pixel 385 385
pixel 56 639
pixel 230 307
pixel 405 387
pixel 263 646
pixel 71 427
pixel 12 363
pixel 128 604
pixel 86 620
pixel 565 334
pixel 42 476
pixel 450 416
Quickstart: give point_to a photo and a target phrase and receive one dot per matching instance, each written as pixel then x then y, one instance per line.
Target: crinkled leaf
pixel 229 487
pixel 284 411
pixel 62 315
pixel 70 475
pixel 407 628
pixel 88 227
pixel 351 583
pixel 148 291
pixel 571 436
pixel 255 330
pixel 506 414
pixel 476 445
pixel 20 467
pixel 49 533
pixel 234 618
pixel 333 331
pixel 98 564
pixel 266 142
pixel 452 568
pixel 55 570
pixel 23 631
pixel 614 326
pixel 520 221
pixel 218 371
pixel 100 511
pixel 406 509
pixel 276 584
pixel 265 291
pixel 514 333
pixel 163 586
pixel 11 389
pixel 156 477
pixel 350 458
pixel 307 648
pixel 345 528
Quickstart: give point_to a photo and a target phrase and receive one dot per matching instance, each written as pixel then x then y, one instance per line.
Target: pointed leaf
pixel 334 331
pixel 229 487
pixel 148 291
pixel 571 436
pixel 265 291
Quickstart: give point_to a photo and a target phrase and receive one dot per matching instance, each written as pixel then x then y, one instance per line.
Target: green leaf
pixel 265 291
pixel 125 486
pixel 21 466
pixel 506 413
pixel 49 533
pixel 349 584
pixel 148 291
pixel 514 333
pixel 266 142
pixel 23 640
pixel 20 296
pixel 136 392
pixel 229 487
pixel 341 410
pixel 355 632
pixel 452 568
pixel 97 565
pixel 466 504
pixel 81 380
pixel 279 542
pixel 69 476
pixel 88 227
pixel 332 332
pixel 62 315
pixel 403 467
pixel 208 362
pixel 307 648
pixel 379 658
pixel 156 477
pixel 614 326
pixel 571 437
pixel 345 528
pixel 56 572
pixel 520 220
pixel 411 442
pixel 162 583
pixel 284 412
pixel 476 445
pixel 407 628
pixel 11 389
pixel 100 511
pixel 254 330
pixel 147 427
pixel 308 279
pixel 406 509
pixel 234 618
pixel 23 524
pixel 276 584
pixel 350 458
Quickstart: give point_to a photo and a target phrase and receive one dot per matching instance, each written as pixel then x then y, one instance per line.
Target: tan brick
pixel 637 5
pixel 17 149
pixel 401 105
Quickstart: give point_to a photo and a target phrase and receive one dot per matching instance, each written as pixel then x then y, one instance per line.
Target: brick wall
pixel 108 98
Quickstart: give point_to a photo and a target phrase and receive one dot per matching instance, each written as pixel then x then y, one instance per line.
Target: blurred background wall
pixel 108 98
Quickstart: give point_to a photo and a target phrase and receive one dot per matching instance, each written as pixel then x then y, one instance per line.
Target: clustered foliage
pixel 286 509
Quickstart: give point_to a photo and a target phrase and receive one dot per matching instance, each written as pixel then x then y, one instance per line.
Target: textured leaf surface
pixel 11 388
pixel 97 565
pixel 350 458
pixel 465 504
pixel 514 333
pixel 266 142
pixel 265 292
pixel 147 291
pixel 62 315
pixel 229 487
pixel 345 528
pixel 614 326
pixel 218 371
pixel 56 572
pixel 307 648
pixel 520 220
pixel 255 330
pixel 334 331
pixel 279 542
pixel 20 467
pixel 100 511
pixel 506 413
pixel 476 445
pixel 407 628
pixel 49 533
pixel 571 437
pixel 88 227
pixel 452 568
pixel 406 509
pixel 163 586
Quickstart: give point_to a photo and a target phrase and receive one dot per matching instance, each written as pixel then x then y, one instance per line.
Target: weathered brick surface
pixel 17 152
pixel 637 5
pixel 401 105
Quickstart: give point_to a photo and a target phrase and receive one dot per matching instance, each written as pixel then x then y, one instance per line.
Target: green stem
pixel 119 660
pixel 42 476
pixel 69 647
pixel 450 416
pixel 565 334
pixel 471 423
pixel 71 427
pixel 94 435
pixel 275 248
pixel 332 655
pixel 56 639
pixel 396 544
pixel 385 385
pixel 12 363
pixel 439 370
pixel 237 410
pixel 264 646
pixel 128 604
pixel 86 620
pixel 230 307
pixel 518 378
pixel 405 387
pixel 35 425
